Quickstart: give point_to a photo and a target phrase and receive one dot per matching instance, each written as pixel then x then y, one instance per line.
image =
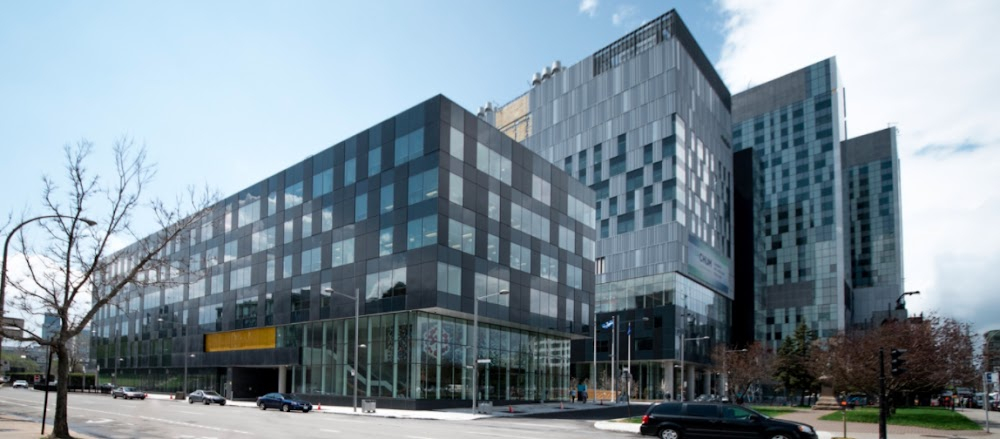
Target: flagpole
pixel 614 321
pixel 628 382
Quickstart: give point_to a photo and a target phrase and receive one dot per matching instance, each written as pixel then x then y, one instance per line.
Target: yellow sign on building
pixel 244 339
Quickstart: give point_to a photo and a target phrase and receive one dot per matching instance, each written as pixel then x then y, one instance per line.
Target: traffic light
pixel 897 362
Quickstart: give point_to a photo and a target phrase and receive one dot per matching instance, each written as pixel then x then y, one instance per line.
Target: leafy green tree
pixel 793 364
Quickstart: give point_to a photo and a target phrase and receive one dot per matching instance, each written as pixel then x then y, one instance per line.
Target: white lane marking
pixel 99 421
pixel 200 426
pixel 549 426
pixel 190 413
pixel 419 437
pixel 331 431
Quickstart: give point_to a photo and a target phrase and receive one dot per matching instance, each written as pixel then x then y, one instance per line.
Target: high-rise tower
pixel 645 122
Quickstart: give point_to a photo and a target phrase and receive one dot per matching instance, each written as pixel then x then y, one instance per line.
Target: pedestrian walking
pixel 581 390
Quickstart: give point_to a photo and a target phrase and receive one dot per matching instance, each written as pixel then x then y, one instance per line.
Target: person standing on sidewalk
pixel 581 390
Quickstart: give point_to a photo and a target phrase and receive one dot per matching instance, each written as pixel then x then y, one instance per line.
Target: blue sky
pixel 227 93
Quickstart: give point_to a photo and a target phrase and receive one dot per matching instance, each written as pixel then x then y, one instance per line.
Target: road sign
pixel 484 361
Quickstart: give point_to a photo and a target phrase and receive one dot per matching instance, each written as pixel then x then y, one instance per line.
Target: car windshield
pixel 211 393
pixel 128 389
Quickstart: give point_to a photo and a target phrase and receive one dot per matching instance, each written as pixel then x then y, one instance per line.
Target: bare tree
pixel 939 354
pixel 68 273
pixel 744 367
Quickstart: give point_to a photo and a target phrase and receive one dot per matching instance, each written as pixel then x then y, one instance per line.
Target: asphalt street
pixel 100 416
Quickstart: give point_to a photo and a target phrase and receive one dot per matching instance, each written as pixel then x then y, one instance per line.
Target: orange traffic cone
pixel 319 407
pixel 171 396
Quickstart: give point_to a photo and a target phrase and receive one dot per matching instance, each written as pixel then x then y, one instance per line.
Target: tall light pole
pixel 187 353
pixel 6 245
pixel 900 302
pixel 475 341
pixel 357 330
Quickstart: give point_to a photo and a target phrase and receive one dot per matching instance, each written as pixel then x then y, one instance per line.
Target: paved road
pixel 100 416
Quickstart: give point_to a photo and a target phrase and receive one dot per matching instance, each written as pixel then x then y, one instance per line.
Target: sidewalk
pixel 20 428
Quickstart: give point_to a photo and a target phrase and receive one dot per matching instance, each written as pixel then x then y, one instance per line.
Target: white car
pixel 20 383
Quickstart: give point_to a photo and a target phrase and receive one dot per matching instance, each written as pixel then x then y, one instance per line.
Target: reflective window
pixel 385 241
pixel 421 232
pixel 456 144
pixel 390 283
pixel 461 237
pixel 549 268
pixel 494 206
pixel 422 186
pixel 311 260
pixel 455 188
pixel 386 198
pixel 520 258
pixel 574 276
pixel 350 171
pixel 361 207
pixel 293 195
pixel 492 248
pixel 374 161
pixel 449 278
pixel 322 183
pixel 343 253
pixel 409 147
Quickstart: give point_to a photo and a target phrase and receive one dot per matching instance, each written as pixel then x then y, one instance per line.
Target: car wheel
pixel 305 410
pixel 114 396
pixel 780 436
pixel 669 433
pixel 222 403
pixel 261 405
pixel 190 400
pixel 285 408
pixel 206 402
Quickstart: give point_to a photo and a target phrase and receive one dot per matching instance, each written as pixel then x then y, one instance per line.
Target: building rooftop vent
pixel 536 79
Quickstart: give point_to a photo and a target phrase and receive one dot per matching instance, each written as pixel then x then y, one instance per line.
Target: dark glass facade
pixel 792 126
pixel 418 215
pixel 645 122
pixel 871 179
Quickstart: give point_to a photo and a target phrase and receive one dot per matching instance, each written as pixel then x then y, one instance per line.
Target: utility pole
pixel 881 394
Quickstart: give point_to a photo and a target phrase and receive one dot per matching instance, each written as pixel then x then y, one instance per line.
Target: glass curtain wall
pixel 426 356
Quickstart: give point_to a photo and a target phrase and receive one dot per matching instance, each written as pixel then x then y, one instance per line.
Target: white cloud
pixel 928 68
pixel 622 15
pixel 588 7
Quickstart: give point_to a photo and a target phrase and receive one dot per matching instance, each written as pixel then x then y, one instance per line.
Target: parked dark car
pixel 128 393
pixel 284 401
pixel 708 420
pixel 206 397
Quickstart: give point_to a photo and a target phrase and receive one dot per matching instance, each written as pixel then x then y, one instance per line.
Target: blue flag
pixel 629 328
pixel 608 324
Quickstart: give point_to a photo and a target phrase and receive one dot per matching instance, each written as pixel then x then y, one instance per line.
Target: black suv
pixel 692 420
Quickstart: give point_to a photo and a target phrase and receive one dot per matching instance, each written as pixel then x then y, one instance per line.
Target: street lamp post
pixel 900 303
pixel 357 330
pixel 475 341
pixel 6 245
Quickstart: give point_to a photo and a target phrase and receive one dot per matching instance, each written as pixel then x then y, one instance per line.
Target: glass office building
pixel 417 217
pixel 793 126
pixel 871 179
pixel 645 122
